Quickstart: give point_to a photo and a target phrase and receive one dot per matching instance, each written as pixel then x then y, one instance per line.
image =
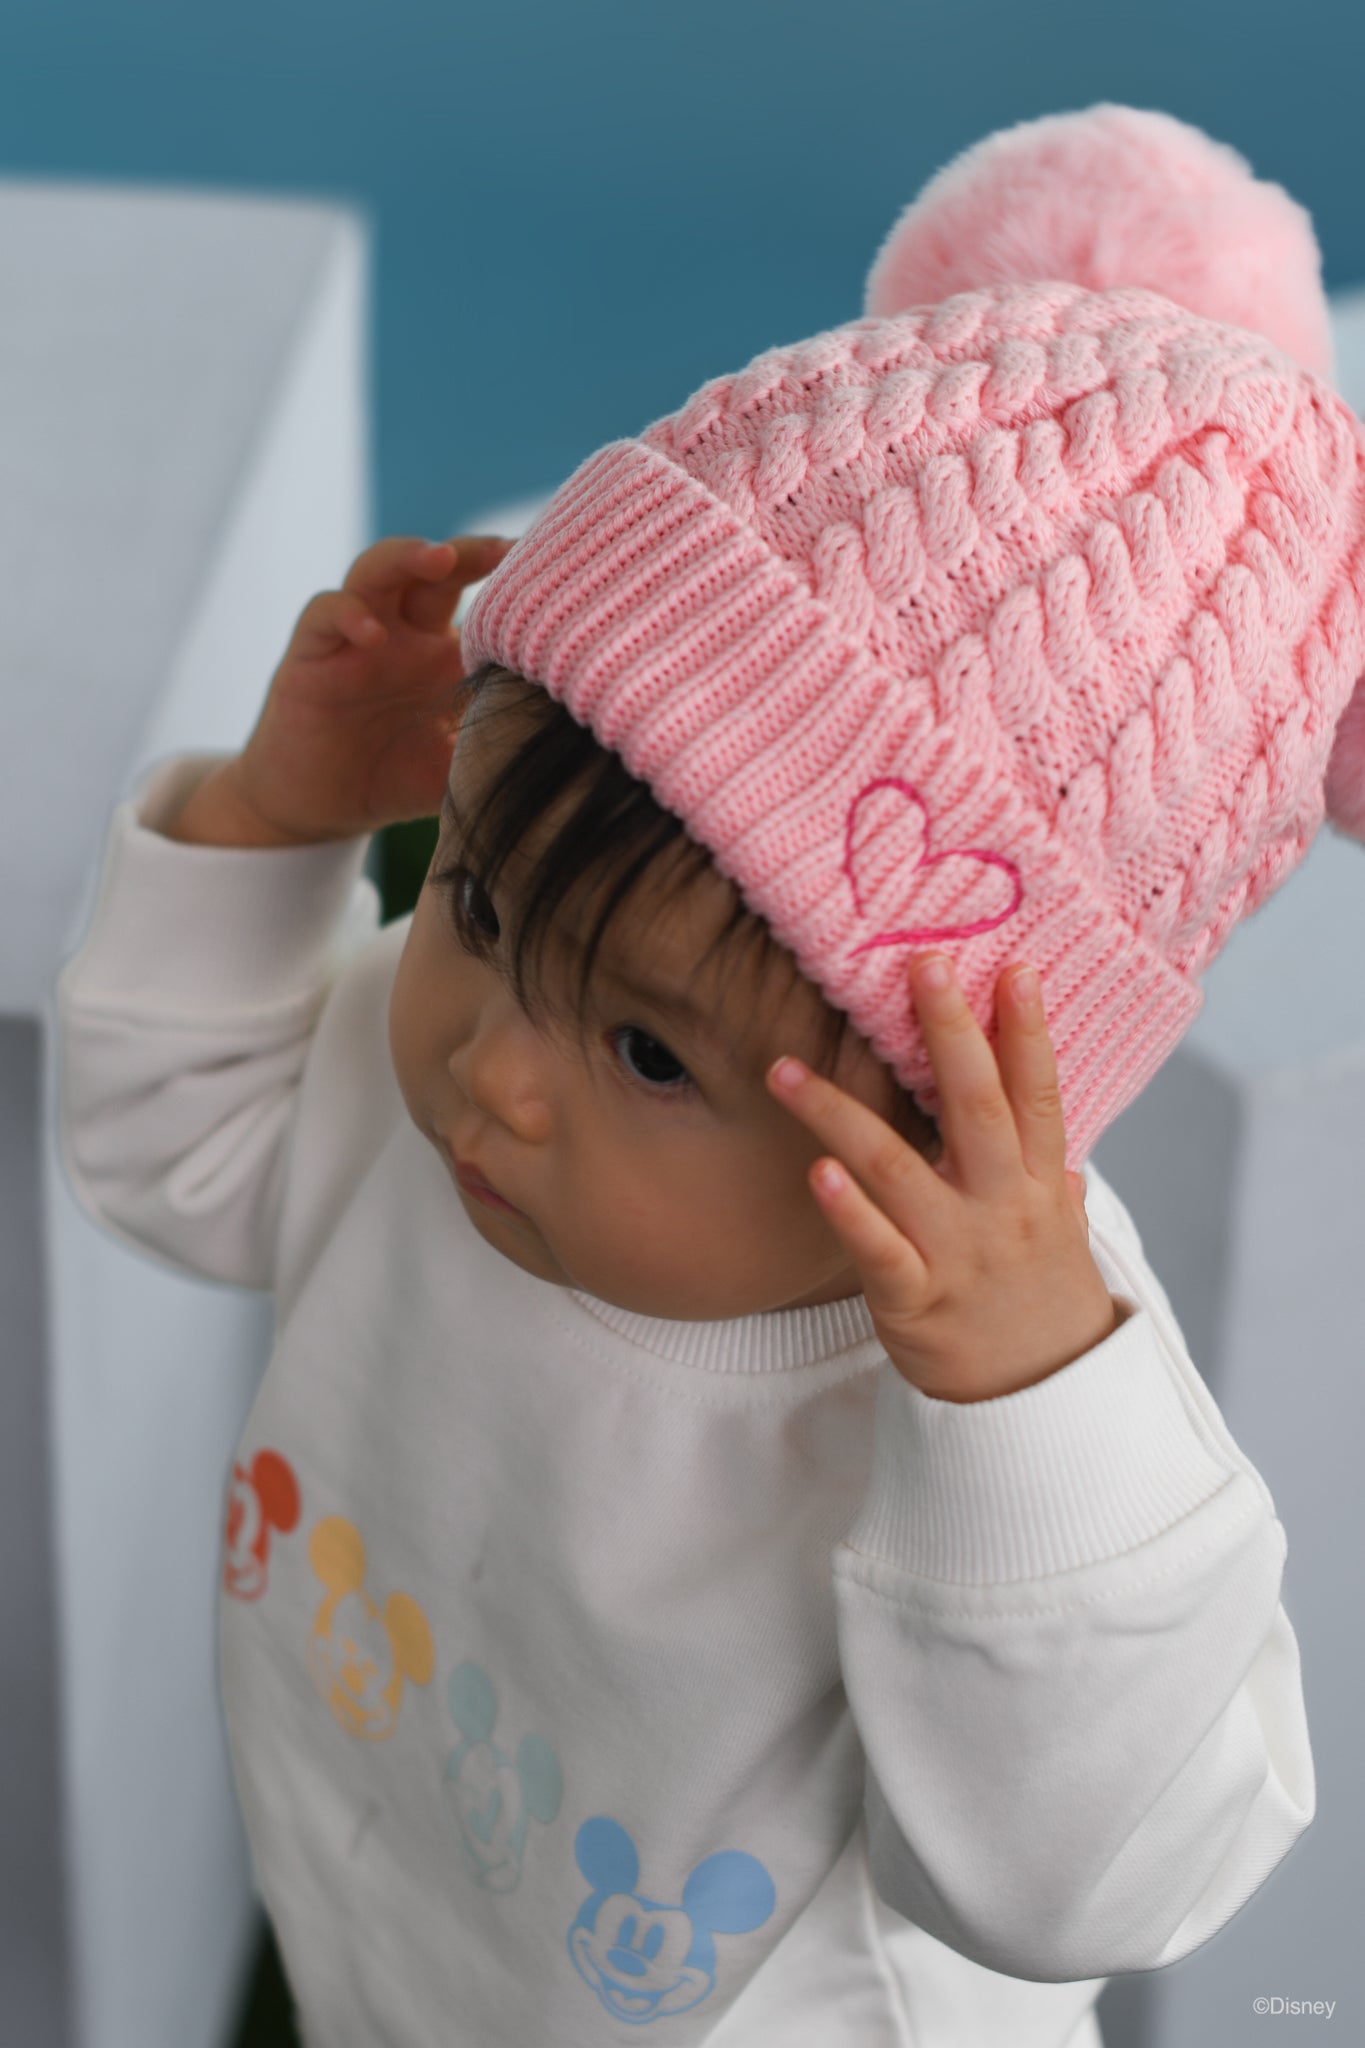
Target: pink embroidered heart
pixel 911 827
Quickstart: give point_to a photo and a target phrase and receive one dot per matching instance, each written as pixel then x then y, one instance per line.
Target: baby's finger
pixel 383 573
pixel 1028 1068
pixel 332 620
pixel 892 1270
pixel 467 559
pixel 1075 1187
pixel 980 1133
pixel 897 1178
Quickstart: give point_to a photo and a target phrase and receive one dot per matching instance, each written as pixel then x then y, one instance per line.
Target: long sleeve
pixel 1077 1692
pixel 183 1026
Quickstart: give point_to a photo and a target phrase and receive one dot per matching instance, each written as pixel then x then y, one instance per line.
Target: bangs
pixel 613 839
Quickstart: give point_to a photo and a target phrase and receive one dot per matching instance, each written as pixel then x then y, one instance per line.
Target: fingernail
pixel 787 1073
pixel 934 973
pixel 1025 985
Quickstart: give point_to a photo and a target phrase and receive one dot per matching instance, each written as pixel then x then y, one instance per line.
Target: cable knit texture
pixel 1022 623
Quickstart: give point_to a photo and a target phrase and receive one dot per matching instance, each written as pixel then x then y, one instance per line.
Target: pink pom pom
pixel 1344 791
pixel 1107 197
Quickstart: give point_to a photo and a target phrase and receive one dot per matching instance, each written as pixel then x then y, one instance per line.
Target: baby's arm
pixel 185 1019
pixel 231 898
pixel 1060 1628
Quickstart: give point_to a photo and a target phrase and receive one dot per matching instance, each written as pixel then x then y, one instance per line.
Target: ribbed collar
pixel 772 1341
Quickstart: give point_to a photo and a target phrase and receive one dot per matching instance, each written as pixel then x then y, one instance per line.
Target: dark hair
pixel 612 837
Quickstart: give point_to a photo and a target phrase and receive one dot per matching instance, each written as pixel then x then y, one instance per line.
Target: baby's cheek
pixel 761 1206
pixel 413 1042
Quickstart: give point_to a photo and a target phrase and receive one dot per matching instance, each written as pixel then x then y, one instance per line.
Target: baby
pixel 726 1542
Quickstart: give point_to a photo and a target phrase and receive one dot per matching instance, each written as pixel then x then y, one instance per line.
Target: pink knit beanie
pixel 1023 615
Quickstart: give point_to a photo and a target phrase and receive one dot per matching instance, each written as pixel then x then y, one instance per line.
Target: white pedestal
pixel 183 410
pixel 1243 1165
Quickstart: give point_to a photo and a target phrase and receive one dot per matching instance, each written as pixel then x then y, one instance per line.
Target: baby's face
pixel 685 1201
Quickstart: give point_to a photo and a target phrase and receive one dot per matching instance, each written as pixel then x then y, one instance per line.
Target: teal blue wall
pixel 584 208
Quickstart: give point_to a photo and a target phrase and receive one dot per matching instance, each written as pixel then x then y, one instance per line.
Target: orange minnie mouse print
pixel 260 1499
pixel 359 1654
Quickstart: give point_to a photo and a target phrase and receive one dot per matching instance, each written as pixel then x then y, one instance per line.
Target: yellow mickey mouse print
pixel 359 1657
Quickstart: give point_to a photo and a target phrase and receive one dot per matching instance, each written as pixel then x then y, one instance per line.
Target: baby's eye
pixel 476 904
pixel 650 1062
pixel 471 907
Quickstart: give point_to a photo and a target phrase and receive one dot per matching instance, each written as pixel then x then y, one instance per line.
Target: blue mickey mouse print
pixel 645 1959
pixel 493 1795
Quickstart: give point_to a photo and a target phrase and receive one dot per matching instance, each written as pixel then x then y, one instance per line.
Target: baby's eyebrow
pixel 676 1001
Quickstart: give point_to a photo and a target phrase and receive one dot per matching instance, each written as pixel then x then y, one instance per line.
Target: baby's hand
pixel 359 725
pixel 977 1270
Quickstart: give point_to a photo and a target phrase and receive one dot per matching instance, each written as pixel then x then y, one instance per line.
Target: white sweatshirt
pixel 586 1671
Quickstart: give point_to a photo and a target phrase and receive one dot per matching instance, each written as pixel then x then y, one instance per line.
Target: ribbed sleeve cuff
pixel 209 928
pixel 1081 1467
